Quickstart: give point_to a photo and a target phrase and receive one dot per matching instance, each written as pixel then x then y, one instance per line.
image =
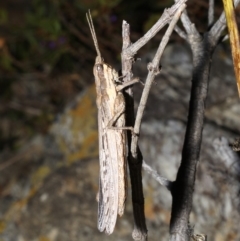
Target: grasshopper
pixel 112 140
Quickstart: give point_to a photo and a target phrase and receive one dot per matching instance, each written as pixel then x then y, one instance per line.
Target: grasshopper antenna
pixel 91 26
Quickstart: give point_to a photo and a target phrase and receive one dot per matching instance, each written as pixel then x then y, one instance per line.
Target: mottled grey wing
pixel 120 137
pixel 108 180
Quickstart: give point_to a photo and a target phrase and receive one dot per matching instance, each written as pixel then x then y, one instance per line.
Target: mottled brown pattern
pixel 112 142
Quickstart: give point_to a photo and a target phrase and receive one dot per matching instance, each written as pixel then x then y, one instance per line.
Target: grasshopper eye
pixel 99 67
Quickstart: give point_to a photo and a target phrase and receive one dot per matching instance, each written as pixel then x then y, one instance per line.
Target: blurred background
pixel 48 129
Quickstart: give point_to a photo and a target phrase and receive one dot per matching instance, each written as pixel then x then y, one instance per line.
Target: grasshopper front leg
pixel 119 107
pixel 131 82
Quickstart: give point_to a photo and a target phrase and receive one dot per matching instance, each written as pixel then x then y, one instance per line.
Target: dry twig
pixel 135 157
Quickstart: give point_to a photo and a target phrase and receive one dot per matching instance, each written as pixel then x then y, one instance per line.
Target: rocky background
pixel 49 152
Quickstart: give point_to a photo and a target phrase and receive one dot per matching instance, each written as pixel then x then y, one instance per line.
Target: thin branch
pixel 220 25
pixel 153 71
pixel 187 24
pixel 180 32
pixel 135 165
pixel 211 12
pixel 135 156
pixel 127 61
pixel 165 18
pixel 135 159
pixel 162 180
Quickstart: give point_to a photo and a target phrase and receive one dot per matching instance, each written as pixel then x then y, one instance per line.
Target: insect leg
pixel 115 123
pixel 131 82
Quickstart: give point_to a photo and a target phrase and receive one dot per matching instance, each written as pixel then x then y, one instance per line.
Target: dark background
pixel 50 42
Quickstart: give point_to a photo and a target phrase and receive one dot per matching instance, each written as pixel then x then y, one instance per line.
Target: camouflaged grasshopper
pixel 112 140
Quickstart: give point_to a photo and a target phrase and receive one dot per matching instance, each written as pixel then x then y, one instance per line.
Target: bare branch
pixel 188 25
pixel 180 32
pixel 126 60
pixel 135 158
pixel 153 71
pixel 220 24
pixel 162 180
pixel 211 12
pixel 182 189
pixel 135 165
pixel 165 18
